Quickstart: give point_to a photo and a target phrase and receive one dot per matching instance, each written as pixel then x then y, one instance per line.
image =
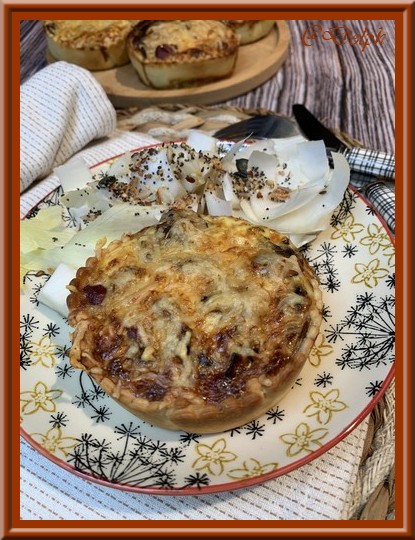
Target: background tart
pixel 250 31
pixel 94 45
pixel 175 54
pixel 198 323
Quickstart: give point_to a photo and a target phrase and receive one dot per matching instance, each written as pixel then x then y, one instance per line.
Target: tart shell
pixel 250 31
pixel 94 45
pixel 178 54
pixel 199 323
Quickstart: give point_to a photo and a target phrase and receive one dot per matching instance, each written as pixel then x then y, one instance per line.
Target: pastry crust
pixel 250 31
pixel 176 54
pixel 199 323
pixel 94 45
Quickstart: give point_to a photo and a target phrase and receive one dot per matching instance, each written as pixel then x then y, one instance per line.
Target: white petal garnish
pixel 227 187
pixel 201 141
pixel 121 167
pixel 287 186
pixel 120 219
pixel 266 163
pixel 247 210
pixel 54 293
pixel 228 160
pixel 311 159
pixel 315 214
pixel 74 174
pixel 217 206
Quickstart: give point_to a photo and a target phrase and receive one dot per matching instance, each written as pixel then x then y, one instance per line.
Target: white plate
pixel 70 420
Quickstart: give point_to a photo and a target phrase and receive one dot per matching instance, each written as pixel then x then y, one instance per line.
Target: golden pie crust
pixel 177 54
pixel 198 323
pixel 94 45
pixel 250 31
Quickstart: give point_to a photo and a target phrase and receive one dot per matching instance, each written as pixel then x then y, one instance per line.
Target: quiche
pixel 198 323
pixel 250 31
pixel 94 45
pixel 177 54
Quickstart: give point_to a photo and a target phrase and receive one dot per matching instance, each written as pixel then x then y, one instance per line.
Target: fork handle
pixel 372 162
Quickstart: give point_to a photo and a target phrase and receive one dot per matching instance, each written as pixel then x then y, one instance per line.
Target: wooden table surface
pixel 349 88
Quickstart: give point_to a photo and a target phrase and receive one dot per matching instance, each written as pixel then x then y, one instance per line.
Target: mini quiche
pixel 198 323
pixel 250 31
pixel 177 54
pixel 94 45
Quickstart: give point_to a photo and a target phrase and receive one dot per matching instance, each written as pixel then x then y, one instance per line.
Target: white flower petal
pixel 74 174
pixel 312 160
pixel 217 206
pixel 201 141
pixel 120 168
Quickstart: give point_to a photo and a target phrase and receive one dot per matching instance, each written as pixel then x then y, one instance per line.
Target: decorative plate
pixel 70 420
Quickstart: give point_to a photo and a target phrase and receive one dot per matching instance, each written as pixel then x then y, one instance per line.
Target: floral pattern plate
pixel 70 420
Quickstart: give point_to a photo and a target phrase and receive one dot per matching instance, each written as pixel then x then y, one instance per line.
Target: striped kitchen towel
pixel 62 109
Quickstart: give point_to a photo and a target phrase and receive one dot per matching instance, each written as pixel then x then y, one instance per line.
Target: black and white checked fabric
pixel 371 162
pixel 379 193
pixel 383 201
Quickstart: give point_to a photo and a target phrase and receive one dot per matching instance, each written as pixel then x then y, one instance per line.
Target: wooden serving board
pixel 256 63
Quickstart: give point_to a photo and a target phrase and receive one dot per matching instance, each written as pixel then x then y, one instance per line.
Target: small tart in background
pixel 94 45
pixel 177 54
pixel 250 31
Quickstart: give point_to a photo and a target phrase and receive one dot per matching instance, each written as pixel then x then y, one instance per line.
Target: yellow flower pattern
pixel 319 350
pixel 369 274
pixel 251 468
pixel 303 440
pixel 376 239
pixel 389 252
pixel 43 352
pixel 323 406
pixel 213 457
pixel 347 230
pixel 54 442
pixel 40 398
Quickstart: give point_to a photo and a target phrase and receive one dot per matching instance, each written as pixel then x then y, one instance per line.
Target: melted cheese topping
pixel 196 304
pixel 179 41
pixel 91 34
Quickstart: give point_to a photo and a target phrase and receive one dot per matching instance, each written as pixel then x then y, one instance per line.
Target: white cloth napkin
pixel 62 109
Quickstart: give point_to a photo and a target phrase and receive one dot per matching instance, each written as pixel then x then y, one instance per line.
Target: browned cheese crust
pixel 199 323
pixel 175 54
pixel 94 45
